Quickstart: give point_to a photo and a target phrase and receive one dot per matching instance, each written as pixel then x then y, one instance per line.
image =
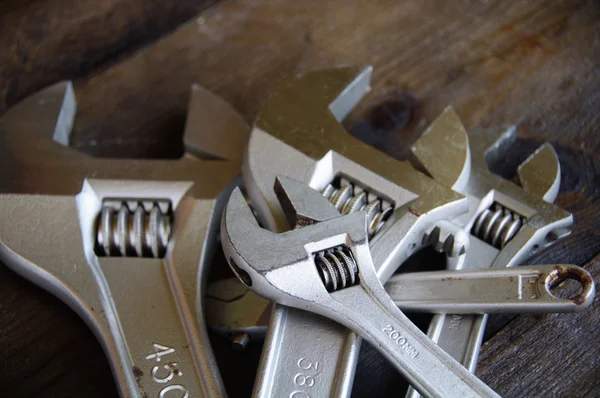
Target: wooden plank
pixel 531 63
pixel 45 41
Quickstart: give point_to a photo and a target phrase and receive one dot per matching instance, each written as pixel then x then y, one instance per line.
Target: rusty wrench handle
pixel 486 291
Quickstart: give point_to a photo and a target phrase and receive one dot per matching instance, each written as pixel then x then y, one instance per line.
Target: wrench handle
pixel 487 291
pixel 369 312
pixel 461 335
pixel 159 345
pixel 306 355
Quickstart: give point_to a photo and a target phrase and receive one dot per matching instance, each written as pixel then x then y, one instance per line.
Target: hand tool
pixel 506 222
pixel 298 134
pixel 325 267
pixel 486 291
pixel 125 243
pixel 234 311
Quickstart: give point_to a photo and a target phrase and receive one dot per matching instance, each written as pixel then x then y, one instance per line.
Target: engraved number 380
pixel 302 379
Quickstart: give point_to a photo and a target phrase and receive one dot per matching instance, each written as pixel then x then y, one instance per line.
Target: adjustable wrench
pixel 297 134
pixel 325 267
pixel 125 243
pixel 506 222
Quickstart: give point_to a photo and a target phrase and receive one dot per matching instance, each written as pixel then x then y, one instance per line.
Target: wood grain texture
pixel 45 41
pixel 531 63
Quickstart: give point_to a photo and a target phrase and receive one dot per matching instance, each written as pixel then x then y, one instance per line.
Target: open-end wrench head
pixel 281 267
pixel 213 129
pixel 539 174
pixel 34 158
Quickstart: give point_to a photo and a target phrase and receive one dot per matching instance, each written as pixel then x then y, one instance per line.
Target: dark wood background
pixel 531 63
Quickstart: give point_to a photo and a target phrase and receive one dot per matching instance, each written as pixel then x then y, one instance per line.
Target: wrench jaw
pixel 289 111
pixel 236 311
pixel 451 166
pixel 144 311
pixel 46 166
pixel 281 267
pixel 213 129
pixel 539 174
pixel 281 272
pixel 301 204
pixel 543 223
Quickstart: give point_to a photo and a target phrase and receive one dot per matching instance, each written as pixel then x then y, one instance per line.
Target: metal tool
pixel 125 243
pixel 325 267
pixel 235 311
pixel 487 291
pixel 298 134
pixel 506 222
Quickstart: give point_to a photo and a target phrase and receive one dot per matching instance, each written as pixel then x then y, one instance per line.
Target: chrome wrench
pixel 295 268
pixel 297 134
pixel 487 291
pixel 126 243
pixel 506 222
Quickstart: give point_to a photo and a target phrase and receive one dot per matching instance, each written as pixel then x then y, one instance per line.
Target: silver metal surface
pixel 298 134
pixel 144 311
pixel 282 268
pixel 486 291
pixel 235 311
pixel 507 222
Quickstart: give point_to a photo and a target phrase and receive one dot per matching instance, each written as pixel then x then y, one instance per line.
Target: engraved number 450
pixel 159 351
pixel 165 373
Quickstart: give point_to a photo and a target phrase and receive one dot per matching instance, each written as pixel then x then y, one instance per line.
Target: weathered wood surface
pixel 535 64
pixel 44 41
